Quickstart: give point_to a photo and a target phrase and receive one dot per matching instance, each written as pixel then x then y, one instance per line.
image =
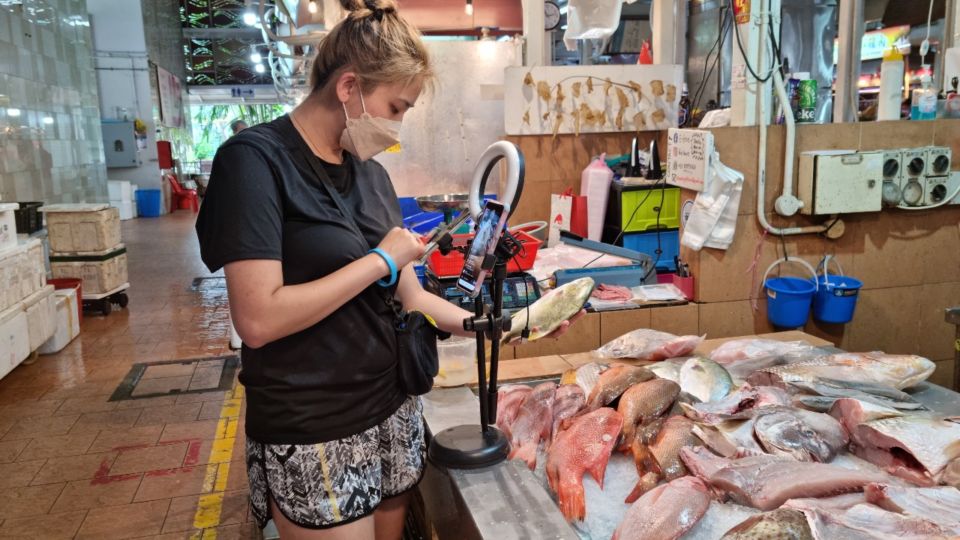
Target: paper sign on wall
pixel 688 157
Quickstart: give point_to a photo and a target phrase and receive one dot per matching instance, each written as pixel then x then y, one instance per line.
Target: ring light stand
pixel 473 446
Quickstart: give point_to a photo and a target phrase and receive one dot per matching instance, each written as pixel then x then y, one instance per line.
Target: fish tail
pixel 572 503
pixel 635 494
pixel 599 469
pixel 528 453
pixel 626 439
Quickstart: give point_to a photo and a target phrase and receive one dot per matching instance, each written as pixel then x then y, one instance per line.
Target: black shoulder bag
pixel 417 334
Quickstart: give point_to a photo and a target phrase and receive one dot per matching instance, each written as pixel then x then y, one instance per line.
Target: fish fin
pixel 528 453
pixel 599 469
pixel 571 499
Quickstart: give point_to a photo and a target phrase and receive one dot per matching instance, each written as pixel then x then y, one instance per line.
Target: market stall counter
pixel 507 501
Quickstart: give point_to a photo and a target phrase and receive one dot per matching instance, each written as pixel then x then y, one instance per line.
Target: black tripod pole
pixel 482 366
pixel 499 276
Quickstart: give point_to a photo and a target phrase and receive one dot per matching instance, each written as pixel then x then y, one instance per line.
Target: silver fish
pixel 916 447
pixel 802 435
pixel 550 311
pixel 899 371
pixel 705 379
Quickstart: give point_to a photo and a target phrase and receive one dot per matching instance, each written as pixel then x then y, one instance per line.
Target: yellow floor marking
pixel 209 507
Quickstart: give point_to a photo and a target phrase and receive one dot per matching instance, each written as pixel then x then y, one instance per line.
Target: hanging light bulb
pixel 468 9
pixel 312 6
pixel 249 18
pixel 259 68
pixel 255 57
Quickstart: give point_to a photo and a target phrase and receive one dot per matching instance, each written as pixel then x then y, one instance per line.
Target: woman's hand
pixel 402 246
pixel 559 332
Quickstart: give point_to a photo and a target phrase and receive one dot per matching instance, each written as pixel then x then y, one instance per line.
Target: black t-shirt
pixel 264 201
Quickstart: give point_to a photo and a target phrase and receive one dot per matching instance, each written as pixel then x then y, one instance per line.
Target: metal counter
pixel 506 501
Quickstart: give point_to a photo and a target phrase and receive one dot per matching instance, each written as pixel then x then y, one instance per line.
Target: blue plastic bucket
pixel 789 298
pixel 836 297
pixel 148 202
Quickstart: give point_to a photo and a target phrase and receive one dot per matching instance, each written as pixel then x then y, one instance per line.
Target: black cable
pixel 659 251
pixel 746 61
pixel 718 46
pixel 633 215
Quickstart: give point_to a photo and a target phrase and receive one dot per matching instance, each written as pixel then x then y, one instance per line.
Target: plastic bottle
pixel 645 57
pixel 891 85
pixel 923 105
pixel 595 185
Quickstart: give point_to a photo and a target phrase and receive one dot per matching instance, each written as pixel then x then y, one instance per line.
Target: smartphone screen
pixel 489 231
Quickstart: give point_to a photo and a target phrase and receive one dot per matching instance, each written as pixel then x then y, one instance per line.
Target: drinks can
pixel 806 100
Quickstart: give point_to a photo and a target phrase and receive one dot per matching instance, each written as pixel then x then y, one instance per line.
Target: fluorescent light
pixel 468 9
pixel 259 68
pixel 249 18
pixel 255 57
pixel 312 6
pixel 48 120
pixel 13 112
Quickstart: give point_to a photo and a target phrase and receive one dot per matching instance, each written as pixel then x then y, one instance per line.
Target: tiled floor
pixel 73 464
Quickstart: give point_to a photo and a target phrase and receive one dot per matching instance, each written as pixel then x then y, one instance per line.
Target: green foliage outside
pixel 211 124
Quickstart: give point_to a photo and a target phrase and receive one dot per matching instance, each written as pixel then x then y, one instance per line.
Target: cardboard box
pixel 41 311
pixel 66 322
pixel 14 339
pixel 101 272
pixel 82 228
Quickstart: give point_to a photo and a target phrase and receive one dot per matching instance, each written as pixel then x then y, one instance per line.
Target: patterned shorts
pixel 323 485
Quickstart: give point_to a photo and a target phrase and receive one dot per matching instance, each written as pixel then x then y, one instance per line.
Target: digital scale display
pixel 516 293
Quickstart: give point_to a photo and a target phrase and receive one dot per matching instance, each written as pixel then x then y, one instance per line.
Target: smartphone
pixel 490 228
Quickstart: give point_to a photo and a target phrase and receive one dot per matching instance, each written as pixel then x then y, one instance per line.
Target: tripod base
pixel 468 447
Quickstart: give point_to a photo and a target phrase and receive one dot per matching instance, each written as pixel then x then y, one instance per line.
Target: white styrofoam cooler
pixel 8 226
pixel 128 210
pixel 23 271
pixel 66 323
pixel 120 190
pixel 41 310
pixel 14 339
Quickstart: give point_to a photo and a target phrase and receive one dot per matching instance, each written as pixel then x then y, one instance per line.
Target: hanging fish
pixel 560 95
pixel 586 114
pixel 546 115
pixel 622 98
pixel 576 89
pixel 543 90
pixel 602 120
pixel 576 122
pixel 556 124
pixel 657 87
pixel 658 116
pixel 526 117
pixel 528 79
pixel 671 93
pixel 639 121
pixel 589 85
pixel 607 85
pixel 635 86
pixel 619 121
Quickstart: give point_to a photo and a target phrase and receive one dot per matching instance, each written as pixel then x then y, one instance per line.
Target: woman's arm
pixel 265 310
pixel 448 317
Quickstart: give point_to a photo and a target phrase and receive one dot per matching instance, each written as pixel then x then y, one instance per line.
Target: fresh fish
pixel 899 371
pixel 614 382
pixel 584 447
pixel 886 396
pixel 533 423
pixel 730 439
pixel 666 512
pixel 509 399
pixel 705 379
pixel 744 403
pixel 802 435
pixel 853 412
pixel 551 310
pixel 568 401
pixel 828 504
pixel 865 522
pixel 765 482
pixel 587 375
pixel 662 457
pixel 916 448
pixel 648 432
pixel 644 402
pixel 781 524
pixel 720 518
pixel 647 344
pixel 741 357
pixel 951 474
pixel 668 369
pixel 941 505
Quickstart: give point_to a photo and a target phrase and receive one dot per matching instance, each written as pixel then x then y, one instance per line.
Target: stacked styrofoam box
pixel 14 339
pixel 66 324
pixel 101 271
pixel 27 307
pixel 22 271
pixel 121 198
pixel 85 244
pixel 8 226
pixel 41 310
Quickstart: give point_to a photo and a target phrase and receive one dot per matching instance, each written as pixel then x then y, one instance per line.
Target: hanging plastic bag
pixel 591 19
pixel 568 212
pixel 713 220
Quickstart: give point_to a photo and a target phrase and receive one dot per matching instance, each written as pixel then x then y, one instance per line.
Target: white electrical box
pixel 892 177
pixel 938 160
pixel 914 162
pixel 938 188
pixel 841 181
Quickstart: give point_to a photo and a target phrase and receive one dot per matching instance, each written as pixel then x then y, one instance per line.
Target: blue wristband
pixel 390 264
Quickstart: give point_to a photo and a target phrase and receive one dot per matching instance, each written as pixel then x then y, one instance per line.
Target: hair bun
pixel 365 8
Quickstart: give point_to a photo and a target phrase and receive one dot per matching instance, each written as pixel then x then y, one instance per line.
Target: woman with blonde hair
pixel 308 230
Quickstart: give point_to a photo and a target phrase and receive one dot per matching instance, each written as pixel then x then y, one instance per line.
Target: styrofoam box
pixel 66 322
pixel 41 309
pixel 98 276
pixel 22 272
pixel 82 228
pixel 120 190
pixel 8 226
pixel 14 339
pixel 127 209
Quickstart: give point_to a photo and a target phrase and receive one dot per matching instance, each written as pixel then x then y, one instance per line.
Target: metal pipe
pixel 848 63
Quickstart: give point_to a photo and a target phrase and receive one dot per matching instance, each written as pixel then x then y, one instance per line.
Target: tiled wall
pixel 909 261
pixel 50 142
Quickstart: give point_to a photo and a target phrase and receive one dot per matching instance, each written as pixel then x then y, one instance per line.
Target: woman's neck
pixel 321 128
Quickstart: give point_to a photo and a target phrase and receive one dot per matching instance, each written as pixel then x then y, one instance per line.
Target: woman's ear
pixel 346 84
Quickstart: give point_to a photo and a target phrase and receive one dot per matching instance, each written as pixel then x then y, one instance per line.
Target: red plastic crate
pixel 451 264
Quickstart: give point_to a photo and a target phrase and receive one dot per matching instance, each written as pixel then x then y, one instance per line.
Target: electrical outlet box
pixel 841 181
pixel 892 177
pixel 938 188
pixel 914 163
pixel 938 160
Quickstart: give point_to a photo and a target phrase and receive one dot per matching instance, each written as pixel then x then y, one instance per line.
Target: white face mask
pixel 367 136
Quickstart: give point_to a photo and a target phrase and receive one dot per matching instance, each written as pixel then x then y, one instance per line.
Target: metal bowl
pixel 440 203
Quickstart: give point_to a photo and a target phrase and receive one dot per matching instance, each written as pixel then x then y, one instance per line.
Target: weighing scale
pixel 519 291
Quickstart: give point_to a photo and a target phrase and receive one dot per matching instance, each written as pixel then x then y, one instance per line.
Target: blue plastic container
pixel 647 243
pixel 789 298
pixel 148 202
pixel 836 297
